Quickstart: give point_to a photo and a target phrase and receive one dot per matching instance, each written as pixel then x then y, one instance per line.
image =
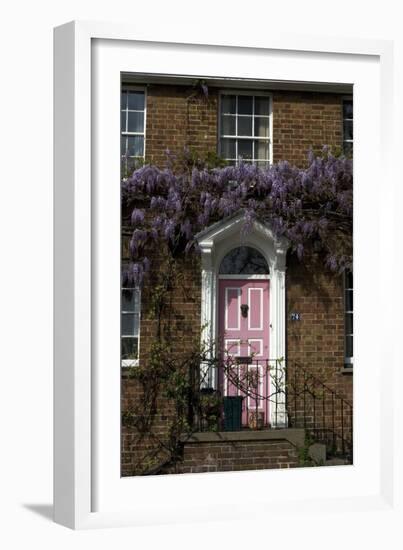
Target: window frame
pixel 253 93
pixel 124 87
pixel 130 362
pixel 343 100
pixel 127 87
pixel 348 360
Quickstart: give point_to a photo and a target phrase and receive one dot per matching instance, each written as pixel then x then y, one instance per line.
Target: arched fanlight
pixel 244 260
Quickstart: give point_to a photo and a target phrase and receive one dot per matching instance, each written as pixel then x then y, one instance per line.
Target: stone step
pixel 336 462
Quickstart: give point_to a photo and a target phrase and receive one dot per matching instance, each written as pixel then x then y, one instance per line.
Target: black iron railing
pixel 320 410
pixel 250 393
pixel 252 389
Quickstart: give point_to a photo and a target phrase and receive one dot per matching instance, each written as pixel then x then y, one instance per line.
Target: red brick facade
pixel 305 120
pixel 317 341
pixel 235 456
pixel 177 117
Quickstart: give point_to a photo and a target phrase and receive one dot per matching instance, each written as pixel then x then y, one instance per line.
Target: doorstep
pixel 295 436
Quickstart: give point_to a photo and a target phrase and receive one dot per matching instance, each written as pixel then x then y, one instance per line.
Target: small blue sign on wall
pixel 295 316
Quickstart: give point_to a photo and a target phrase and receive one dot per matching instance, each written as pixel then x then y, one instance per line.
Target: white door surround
pixel 215 242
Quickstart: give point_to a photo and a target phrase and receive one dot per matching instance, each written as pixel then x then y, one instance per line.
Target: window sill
pixel 127 363
pixel 347 369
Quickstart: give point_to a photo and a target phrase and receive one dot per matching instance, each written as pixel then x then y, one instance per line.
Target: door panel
pixel 255 301
pixel 232 308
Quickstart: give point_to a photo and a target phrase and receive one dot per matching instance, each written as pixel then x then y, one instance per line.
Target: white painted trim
pixel 134 87
pixel 253 93
pixel 246 277
pixel 131 362
pixel 215 242
pixel 260 327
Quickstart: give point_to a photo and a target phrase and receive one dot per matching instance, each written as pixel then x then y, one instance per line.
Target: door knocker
pixel 244 310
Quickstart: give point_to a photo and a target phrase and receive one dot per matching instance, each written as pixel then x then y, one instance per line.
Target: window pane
pixel 348 129
pixel 262 164
pixel 262 127
pixel 349 323
pixel 129 348
pixel 228 125
pixel 123 100
pixel 262 150
pixel 136 101
pixel 245 104
pixel 228 148
pixel 228 104
pixel 349 300
pixel 244 126
pixel 130 164
pixel 349 346
pixel 136 146
pixel 130 324
pixel 127 324
pixel 245 149
pixel 135 122
pixel 348 148
pixel 349 317
pixel 348 109
pixel 123 145
pixel 262 106
pixel 130 300
pixel 123 121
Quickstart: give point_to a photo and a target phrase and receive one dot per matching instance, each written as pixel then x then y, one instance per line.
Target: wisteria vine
pixel 312 207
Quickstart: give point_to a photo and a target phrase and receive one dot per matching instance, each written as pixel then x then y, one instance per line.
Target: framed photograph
pixel 219 275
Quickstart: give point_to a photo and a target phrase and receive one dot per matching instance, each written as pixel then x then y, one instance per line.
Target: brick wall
pixel 181 326
pixel 141 452
pixel 182 315
pixel 317 340
pixel 177 117
pixel 235 456
pixel 315 346
pixel 305 120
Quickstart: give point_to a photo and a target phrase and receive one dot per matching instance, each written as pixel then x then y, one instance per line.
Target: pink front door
pixel 244 337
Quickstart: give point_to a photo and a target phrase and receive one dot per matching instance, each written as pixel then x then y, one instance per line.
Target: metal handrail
pixel 311 395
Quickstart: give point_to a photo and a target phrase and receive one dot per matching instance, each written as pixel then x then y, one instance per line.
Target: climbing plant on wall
pixel 165 208
pixel 312 207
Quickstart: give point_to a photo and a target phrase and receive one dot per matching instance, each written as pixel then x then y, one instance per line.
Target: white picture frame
pixel 88 490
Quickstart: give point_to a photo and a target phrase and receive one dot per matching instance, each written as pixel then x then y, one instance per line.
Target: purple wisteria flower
pixel 310 206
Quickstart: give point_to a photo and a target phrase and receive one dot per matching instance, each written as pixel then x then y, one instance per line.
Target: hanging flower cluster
pixel 312 207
